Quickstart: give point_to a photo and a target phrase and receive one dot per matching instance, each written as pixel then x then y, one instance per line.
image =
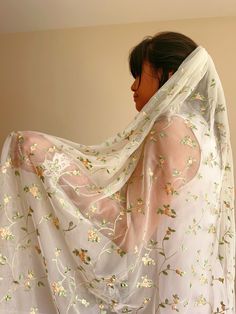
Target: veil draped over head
pixel 141 223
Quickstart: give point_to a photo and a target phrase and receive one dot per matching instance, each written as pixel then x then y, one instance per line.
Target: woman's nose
pixel 134 86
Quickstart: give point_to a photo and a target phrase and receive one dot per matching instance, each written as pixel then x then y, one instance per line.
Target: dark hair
pixel 166 50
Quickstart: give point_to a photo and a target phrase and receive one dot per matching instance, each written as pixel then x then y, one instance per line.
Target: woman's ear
pixel 170 73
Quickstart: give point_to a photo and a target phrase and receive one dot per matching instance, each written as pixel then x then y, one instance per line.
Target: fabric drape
pixel 140 223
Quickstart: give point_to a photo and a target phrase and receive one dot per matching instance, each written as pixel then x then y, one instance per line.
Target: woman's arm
pixel 170 158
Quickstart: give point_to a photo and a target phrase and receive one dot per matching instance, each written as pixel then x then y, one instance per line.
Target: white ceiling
pixel 31 15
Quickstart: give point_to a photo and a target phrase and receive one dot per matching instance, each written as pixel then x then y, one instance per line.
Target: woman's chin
pixel 138 107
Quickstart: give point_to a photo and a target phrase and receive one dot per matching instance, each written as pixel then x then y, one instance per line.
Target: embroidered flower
pixel 62 202
pixel 162 134
pixel 190 124
pixel 52 149
pixel 101 305
pixel 31 275
pixel 6 165
pixel 210 160
pixel 146 300
pixel 227 167
pixel 176 173
pixel 187 140
pixel 86 162
pixel 117 196
pixel 169 189
pixel 140 201
pixel 3 169
pixel 28 280
pixel 84 302
pixel 3 259
pixel 34 190
pixel 39 171
pixel 148 260
pixel 161 160
pixel 212 229
pixel 83 255
pixel 6 199
pixel 128 134
pixel 198 96
pixel 167 211
pixel 203 279
pixel 175 302
pixel 190 161
pixel 120 252
pixel 56 222
pixel 179 272
pixel 123 284
pixel 201 300
pixel 220 126
pixel 58 289
pixel 7 297
pixel 220 108
pixel 110 281
pixel 76 172
pixel 145 283
pixel 27 284
pixel 57 251
pixel 93 236
pixel 54 167
pixel 33 147
pixel 6 234
pixel 213 83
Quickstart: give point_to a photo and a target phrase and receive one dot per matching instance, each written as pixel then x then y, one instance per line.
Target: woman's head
pixel 154 60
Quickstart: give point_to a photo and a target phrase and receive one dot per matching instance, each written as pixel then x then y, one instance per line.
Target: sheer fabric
pixel 141 223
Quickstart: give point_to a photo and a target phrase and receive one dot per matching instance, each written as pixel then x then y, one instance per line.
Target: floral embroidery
pixel 93 236
pixel 145 283
pixel 187 140
pixel 6 165
pixel 91 219
pixel 3 259
pixel 167 211
pixel 58 289
pixel 6 234
pixel 210 160
pixel 34 190
pixel 169 189
pixel 6 199
pixel 84 302
pixel 198 96
pixel 56 222
pixel 33 310
pixel 86 162
pixel 173 304
pixel 83 255
pixel 148 260
pixel 161 161
pixel 201 300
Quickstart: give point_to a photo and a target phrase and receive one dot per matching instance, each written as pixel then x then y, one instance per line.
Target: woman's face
pixel 148 86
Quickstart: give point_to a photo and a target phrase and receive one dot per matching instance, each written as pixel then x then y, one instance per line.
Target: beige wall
pixel 76 84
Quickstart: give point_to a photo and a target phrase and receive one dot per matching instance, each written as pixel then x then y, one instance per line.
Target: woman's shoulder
pixel 171 122
pixel 176 121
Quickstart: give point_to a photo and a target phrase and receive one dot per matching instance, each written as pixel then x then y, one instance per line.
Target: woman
pixel 141 223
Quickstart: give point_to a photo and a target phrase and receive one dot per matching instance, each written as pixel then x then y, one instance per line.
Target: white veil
pixel 79 224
